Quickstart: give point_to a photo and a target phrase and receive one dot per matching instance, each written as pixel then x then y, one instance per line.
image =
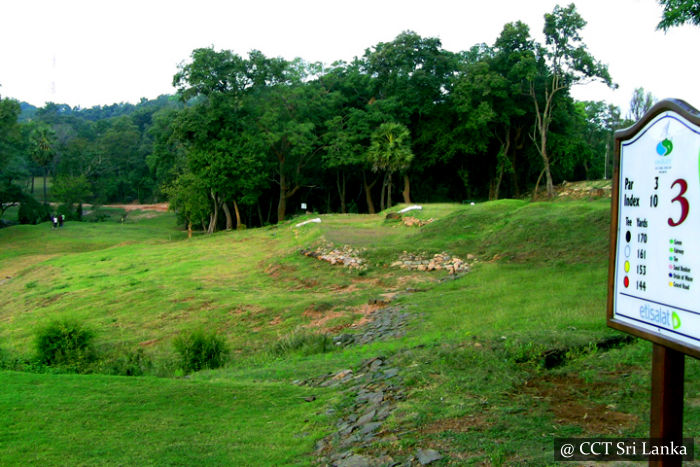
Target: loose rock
pixel 426 456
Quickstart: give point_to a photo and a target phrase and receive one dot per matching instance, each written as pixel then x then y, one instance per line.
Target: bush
pixel 304 343
pixel 32 212
pixel 65 343
pixel 124 362
pixel 199 350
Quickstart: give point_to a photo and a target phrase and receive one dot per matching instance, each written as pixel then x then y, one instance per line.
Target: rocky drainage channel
pixel 375 388
pixel 351 259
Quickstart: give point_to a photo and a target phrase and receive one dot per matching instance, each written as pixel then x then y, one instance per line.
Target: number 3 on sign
pixel 685 206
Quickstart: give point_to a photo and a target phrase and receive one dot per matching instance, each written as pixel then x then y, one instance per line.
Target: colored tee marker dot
pixel 627 266
pixel 627 281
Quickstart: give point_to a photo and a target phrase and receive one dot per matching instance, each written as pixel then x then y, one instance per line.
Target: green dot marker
pixel 671 241
pixel 670 258
pixel 671 250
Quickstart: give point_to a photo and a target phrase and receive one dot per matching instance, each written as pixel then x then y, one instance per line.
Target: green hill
pixel 385 362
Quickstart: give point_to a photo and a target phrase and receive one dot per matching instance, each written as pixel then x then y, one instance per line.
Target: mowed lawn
pixel 472 362
pixel 106 420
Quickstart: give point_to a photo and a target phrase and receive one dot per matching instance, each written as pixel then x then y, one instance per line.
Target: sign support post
pixel 654 268
pixel 667 371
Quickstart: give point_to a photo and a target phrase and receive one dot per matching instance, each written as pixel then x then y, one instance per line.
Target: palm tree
pixel 390 151
pixel 42 139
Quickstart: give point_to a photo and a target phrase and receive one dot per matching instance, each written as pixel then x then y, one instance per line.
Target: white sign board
pixel 656 268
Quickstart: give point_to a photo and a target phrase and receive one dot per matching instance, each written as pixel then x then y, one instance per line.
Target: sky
pixel 100 52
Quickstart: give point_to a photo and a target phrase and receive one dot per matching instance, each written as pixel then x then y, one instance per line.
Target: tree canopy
pixel 247 139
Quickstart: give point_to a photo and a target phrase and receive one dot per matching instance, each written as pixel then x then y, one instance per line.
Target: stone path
pixel 374 388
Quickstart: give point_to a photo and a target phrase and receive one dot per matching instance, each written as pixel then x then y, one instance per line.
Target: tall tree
pixel 640 103
pixel 411 76
pixel 42 150
pixel 564 61
pixel 679 12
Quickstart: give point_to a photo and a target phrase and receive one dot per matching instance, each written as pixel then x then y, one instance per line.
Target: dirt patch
pixel 320 318
pixel 277 270
pixel 275 321
pixel 464 424
pixel 159 207
pixel 567 397
pixel 17 266
pixel 149 343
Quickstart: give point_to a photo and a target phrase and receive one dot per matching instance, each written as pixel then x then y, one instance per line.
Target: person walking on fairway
pixel 54 219
pixel 61 218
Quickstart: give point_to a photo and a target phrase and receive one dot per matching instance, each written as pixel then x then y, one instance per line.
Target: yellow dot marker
pixel 627 266
pixel 670 284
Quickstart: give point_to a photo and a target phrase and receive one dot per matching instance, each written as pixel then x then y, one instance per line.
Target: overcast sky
pixel 98 52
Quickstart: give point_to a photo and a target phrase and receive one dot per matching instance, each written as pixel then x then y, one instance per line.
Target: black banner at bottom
pixel 619 449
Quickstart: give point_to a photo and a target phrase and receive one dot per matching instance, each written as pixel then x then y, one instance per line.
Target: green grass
pixel 100 420
pixel 473 359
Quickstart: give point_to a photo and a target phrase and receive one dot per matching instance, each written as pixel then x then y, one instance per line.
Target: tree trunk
pixel 340 182
pixel 548 176
pixel 229 219
pixel 238 215
pixel 33 176
pixel 388 192
pixel 46 173
pixel 189 229
pixel 537 185
pixel 260 216
pixel 282 203
pixel 542 120
pixel 406 189
pixel 368 193
pixel 213 218
pixel 382 204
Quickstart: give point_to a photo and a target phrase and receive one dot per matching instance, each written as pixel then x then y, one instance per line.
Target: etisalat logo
pixel 664 147
pixel 660 317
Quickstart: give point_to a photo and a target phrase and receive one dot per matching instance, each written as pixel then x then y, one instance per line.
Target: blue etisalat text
pixel 655 315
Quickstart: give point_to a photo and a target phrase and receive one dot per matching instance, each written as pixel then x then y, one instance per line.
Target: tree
pixel 189 199
pixel 390 152
pixel 10 195
pixel 640 103
pixel 42 140
pixel 11 165
pixel 563 62
pixel 411 77
pixel 71 190
pixel 216 129
pixel 678 13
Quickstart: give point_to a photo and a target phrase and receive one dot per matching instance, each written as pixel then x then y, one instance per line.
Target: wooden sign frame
pixel 692 115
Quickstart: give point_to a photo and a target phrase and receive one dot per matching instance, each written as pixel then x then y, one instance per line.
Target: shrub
pixel 123 361
pixel 65 343
pixel 32 212
pixel 304 343
pixel 199 350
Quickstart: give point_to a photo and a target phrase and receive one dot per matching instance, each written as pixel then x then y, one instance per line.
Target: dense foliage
pixel 249 140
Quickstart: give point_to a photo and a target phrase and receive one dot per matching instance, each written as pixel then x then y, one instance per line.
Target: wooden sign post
pixel 654 270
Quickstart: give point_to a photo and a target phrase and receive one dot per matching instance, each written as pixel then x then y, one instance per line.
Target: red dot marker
pixel 627 281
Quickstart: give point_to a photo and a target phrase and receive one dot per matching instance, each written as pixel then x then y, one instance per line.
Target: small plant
pixel 199 350
pixel 304 343
pixel 125 362
pixel 65 343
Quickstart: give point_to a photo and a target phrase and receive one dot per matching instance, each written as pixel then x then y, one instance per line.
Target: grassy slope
pixel 471 359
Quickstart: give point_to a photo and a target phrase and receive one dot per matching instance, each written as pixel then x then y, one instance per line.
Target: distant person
pixel 61 218
pixel 54 219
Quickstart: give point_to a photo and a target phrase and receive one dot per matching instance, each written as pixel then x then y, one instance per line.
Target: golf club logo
pixel 664 148
pixel 675 320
